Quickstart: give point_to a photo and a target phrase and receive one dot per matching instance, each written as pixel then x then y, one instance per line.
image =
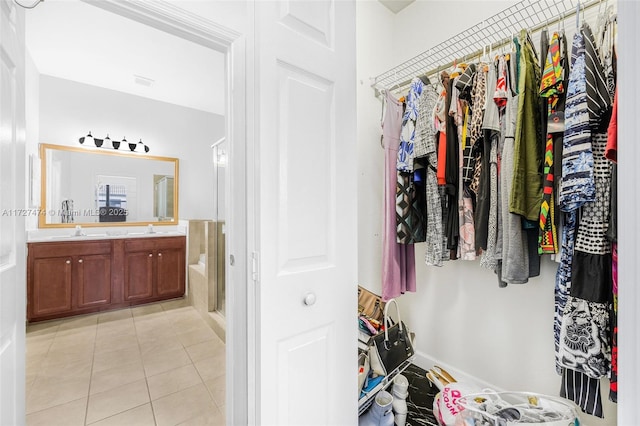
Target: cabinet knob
pixel 310 299
pixel 159 254
pixel 150 254
pixel 68 262
pixel 80 261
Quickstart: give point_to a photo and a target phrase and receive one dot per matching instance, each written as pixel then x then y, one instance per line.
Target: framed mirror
pixel 96 187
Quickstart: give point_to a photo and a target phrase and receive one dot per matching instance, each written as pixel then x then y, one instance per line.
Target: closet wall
pixel 502 338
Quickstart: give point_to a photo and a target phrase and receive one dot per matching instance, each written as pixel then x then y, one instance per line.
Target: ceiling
pixel 76 41
pixel 396 5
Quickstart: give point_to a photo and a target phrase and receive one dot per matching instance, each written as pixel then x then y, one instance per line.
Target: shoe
pixel 400 392
pixel 380 413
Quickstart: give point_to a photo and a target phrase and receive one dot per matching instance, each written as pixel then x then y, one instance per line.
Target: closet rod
pixel 534 15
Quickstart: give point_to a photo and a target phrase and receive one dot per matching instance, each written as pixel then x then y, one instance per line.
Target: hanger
pixel 578 16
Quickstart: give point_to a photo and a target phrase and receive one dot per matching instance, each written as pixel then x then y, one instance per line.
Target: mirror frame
pixel 42 218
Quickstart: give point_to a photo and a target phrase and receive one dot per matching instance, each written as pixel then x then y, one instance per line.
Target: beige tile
pixel 114 315
pixel 147 310
pixel 210 418
pixel 114 328
pixel 39 345
pixel 212 367
pixel 47 392
pixel 61 354
pixel 159 344
pixel 206 349
pixel 106 360
pixel 114 401
pixel 69 414
pixel 45 328
pixel 78 349
pixel 72 339
pixel 182 406
pixel 203 334
pixel 66 368
pixel 139 416
pixel 78 324
pixel 217 388
pixel 162 361
pixel 175 304
pixel 173 381
pixel 34 362
pixel 114 377
pixel 117 342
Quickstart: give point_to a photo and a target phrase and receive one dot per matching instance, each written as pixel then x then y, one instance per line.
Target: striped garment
pixel 577 186
pixel 598 99
pixel 583 390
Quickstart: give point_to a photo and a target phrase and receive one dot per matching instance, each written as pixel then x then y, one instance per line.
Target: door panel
pixel 306 190
pixel 306 140
pixel 51 286
pixel 170 272
pixel 12 201
pixel 138 275
pixel 93 283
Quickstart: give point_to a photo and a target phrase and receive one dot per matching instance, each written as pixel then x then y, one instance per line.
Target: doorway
pixel 193 28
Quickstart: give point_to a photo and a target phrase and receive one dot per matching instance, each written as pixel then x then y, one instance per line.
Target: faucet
pixel 78 232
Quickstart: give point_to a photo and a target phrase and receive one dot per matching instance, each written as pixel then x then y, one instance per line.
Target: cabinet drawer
pixel 70 248
pixel 153 243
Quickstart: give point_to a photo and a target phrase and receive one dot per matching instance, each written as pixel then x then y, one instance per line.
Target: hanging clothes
pixel 398 260
pixel 452 165
pixel 526 192
pixel 514 267
pixel 425 148
pixel 552 91
pixel 408 131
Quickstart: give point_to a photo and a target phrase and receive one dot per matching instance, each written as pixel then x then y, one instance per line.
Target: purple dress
pixel 398 260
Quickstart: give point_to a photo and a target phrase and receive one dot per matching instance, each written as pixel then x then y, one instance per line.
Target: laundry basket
pixel 516 408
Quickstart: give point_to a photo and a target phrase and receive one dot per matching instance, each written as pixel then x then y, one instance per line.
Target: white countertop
pixel 87 234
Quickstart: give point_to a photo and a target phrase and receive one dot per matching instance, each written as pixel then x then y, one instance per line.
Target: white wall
pixel 68 110
pixel 502 337
pixel 32 115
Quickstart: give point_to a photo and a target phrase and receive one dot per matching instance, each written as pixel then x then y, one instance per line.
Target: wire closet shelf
pixel 492 33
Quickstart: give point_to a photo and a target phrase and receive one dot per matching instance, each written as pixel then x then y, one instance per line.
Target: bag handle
pixel 386 319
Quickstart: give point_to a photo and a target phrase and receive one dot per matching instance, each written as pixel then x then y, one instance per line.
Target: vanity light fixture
pixel 107 142
pixel 88 139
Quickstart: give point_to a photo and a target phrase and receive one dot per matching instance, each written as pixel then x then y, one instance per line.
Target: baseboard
pixel 426 362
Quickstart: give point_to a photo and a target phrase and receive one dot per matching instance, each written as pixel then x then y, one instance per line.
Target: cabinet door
pixel 138 275
pixel 92 280
pixel 51 286
pixel 171 270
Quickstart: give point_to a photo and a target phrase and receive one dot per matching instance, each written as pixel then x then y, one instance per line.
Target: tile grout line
pixel 95 342
pixel 146 379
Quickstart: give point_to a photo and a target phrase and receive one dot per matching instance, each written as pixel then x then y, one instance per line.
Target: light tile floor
pixel 157 364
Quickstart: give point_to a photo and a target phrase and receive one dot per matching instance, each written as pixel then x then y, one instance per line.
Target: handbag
pixel 389 349
pixel 363 370
pixel 370 304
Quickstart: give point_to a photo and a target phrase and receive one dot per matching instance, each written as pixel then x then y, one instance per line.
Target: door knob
pixel 310 299
pixel 160 254
pixel 80 261
pixel 68 262
pixel 150 254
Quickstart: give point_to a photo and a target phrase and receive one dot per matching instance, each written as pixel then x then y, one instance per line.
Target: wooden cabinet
pixel 154 268
pixel 77 277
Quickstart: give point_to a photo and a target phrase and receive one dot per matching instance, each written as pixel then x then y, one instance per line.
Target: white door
pixel 12 231
pixel 306 200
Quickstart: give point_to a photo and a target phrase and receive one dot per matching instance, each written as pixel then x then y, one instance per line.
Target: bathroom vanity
pixel 77 275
